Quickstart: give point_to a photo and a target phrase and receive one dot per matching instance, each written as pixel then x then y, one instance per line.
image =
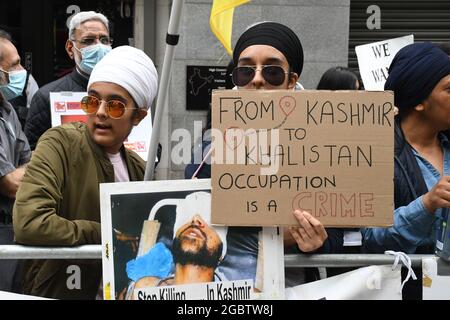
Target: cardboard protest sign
pixel 158 244
pixel 375 58
pixel 65 107
pixel 330 153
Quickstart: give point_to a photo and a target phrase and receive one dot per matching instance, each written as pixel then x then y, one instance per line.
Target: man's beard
pixel 203 257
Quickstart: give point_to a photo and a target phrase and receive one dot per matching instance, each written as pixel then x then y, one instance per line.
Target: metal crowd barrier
pixel 347 260
pixel 31 252
pixel 290 261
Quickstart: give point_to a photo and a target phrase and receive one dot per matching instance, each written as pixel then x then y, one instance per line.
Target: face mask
pixel 90 56
pixel 16 84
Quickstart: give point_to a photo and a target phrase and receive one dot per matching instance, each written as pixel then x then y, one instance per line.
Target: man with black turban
pixel 272 36
pixel 419 76
pixel 269 56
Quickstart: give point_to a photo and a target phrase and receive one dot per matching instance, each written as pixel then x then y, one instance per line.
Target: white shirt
pixel 120 167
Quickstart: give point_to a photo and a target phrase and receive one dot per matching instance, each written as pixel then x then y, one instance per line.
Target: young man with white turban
pixel 58 200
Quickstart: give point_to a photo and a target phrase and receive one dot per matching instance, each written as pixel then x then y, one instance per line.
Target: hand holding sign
pixel 439 196
pixel 310 234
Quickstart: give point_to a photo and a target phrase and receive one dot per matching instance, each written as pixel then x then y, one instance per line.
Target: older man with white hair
pixel 87 44
pixel 58 201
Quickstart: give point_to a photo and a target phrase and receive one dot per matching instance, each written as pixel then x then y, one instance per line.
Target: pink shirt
pixel 120 167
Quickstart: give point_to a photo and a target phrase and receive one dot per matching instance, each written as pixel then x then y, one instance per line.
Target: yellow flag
pixel 221 20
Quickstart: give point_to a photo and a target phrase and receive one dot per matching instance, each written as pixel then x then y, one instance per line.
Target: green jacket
pixel 58 204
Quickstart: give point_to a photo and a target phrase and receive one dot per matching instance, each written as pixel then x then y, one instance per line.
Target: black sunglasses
pixel 274 75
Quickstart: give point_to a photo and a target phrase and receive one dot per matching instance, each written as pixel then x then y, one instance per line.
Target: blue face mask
pixel 16 84
pixel 90 56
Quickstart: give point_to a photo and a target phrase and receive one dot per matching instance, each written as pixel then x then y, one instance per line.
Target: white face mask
pixel 90 56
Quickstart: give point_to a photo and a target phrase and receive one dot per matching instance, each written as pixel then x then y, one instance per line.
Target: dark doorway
pixel 39 30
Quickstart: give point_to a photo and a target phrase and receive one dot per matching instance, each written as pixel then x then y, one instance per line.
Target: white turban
pixel 131 69
pixel 199 203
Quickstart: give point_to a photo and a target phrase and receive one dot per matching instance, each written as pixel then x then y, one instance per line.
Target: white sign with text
pixel 66 107
pixel 375 58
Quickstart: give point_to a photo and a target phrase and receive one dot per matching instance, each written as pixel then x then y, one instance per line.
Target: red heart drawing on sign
pixel 233 137
pixel 287 105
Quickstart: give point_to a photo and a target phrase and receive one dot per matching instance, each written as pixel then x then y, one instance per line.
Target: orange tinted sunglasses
pixel 114 108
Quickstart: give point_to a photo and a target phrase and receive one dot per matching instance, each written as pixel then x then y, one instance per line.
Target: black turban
pixel 414 72
pixel 275 35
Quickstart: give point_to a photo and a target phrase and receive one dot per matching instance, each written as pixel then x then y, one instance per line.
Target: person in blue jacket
pixel 419 76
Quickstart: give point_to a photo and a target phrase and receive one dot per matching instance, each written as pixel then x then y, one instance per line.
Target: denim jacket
pixel 414 227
